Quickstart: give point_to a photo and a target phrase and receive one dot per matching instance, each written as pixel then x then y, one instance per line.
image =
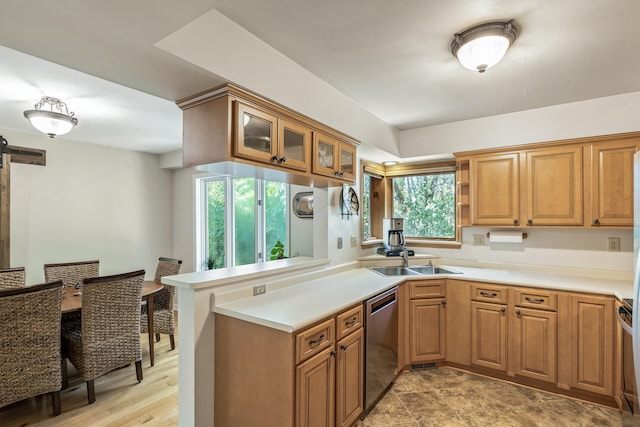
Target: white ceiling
pixel 392 58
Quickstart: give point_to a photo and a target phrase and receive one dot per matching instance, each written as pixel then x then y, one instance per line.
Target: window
pixel 427 204
pixel 240 220
pixel 372 201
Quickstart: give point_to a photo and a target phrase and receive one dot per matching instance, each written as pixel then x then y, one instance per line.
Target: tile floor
pixel 448 397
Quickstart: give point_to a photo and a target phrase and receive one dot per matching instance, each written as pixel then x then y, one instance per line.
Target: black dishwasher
pixel 381 345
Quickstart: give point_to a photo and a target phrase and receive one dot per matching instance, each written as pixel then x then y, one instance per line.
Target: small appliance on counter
pixel 392 238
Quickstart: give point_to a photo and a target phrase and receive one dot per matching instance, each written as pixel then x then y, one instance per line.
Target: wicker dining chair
pixel 71 273
pixel 108 335
pixel 30 343
pixel 163 315
pixel 11 278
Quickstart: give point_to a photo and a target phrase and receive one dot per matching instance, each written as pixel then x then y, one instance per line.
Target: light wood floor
pixel 120 399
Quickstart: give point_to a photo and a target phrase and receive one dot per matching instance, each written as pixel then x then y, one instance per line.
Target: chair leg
pixel 65 373
pixel 139 370
pixel 55 401
pixel 173 343
pixel 157 337
pixel 91 391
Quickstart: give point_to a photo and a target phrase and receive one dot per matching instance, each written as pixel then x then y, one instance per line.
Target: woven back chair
pixel 30 343
pixel 108 335
pixel 163 316
pixel 11 278
pixel 71 273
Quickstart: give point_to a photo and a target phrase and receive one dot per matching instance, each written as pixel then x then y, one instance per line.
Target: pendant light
pixel 483 46
pixel 54 121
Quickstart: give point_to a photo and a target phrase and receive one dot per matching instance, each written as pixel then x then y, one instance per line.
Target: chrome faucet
pixel 405 258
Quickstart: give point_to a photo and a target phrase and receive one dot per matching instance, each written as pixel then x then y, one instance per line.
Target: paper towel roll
pixel 505 236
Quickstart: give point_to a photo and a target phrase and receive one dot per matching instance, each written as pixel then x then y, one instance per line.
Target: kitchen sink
pixel 394 271
pixel 432 269
pixel 416 270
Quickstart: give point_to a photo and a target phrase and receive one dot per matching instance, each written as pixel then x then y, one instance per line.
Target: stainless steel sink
pixel 431 269
pixel 394 271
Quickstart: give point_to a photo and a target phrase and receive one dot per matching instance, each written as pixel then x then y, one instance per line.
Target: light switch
pixel 339 242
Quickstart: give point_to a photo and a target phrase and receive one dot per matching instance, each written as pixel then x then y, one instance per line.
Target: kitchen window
pixel 240 221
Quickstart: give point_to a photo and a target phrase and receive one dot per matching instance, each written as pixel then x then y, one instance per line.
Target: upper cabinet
pixel 333 158
pixel 586 183
pixel 234 131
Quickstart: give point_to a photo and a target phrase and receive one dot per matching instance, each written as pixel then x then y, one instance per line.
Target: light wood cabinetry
pixel 350 378
pixel 231 130
pixel 489 335
pixel 333 158
pixel 609 177
pixel 427 320
pixel 315 391
pixel 553 186
pixel 592 343
pixel 535 351
pixel 586 182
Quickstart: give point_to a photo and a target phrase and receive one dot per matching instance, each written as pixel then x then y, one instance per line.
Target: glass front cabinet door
pixel 256 133
pixel 294 145
pixel 333 158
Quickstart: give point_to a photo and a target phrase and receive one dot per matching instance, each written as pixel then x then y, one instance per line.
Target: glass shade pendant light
pixel 483 46
pixel 54 121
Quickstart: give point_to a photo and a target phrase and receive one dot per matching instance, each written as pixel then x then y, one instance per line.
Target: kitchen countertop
pixel 297 306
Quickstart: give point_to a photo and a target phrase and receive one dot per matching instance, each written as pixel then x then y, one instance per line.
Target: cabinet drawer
pixel 349 321
pixel 427 289
pixel 315 339
pixel 536 298
pixel 489 293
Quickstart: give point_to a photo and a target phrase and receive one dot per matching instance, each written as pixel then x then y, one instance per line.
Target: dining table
pixel 72 302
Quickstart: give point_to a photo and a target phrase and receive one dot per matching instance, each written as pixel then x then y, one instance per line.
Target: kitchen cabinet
pixel 427 321
pixel 315 391
pixel 610 178
pixel 333 158
pixel 592 343
pixel 534 354
pixel 495 189
pixel 350 378
pixel 553 186
pixel 229 130
pixel 489 335
pixel 264 137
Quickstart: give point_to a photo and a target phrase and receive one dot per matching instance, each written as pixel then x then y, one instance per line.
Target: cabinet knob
pixel 515 221
pixel 530 221
pixel 518 312
pixel 336 173
pixel 333 353
pixel 282 160
pixel 444 301
pixel 343 347
pixel 596 221
pixel 275 159
pixel 503 309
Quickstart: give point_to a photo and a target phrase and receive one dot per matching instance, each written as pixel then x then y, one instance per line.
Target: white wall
pixel 300 229
pixel 89 202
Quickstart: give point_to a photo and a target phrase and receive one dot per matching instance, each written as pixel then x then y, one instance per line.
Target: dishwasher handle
pixel 380 302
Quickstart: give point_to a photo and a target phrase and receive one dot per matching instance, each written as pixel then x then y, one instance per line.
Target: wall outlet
pixel 614 244
pixel 478 240
pixel 259 290
pixel 339 242
pixel 354 241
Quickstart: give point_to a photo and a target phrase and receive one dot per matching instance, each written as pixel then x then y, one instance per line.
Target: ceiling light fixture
pixel 483 46
pixel 57 120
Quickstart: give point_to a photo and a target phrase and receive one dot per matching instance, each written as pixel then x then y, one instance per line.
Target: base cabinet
pixel 350 379
pixel 489 335
pixel 315 391
pixel 534 350
pixel 427 320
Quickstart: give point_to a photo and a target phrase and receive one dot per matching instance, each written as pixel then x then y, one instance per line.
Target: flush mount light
pixel 54 121
pixel 390 163
pixel 481 47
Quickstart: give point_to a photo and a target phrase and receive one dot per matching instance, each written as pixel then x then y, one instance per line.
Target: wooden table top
pixel 71 302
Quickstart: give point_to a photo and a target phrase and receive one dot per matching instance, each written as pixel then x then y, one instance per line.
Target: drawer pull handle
pixel 488 294
pixel 534 300
pixel 319 340
pixel 351 322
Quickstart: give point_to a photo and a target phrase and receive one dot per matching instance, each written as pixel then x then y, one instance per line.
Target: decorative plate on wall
pixel 303 205
pixel 350 202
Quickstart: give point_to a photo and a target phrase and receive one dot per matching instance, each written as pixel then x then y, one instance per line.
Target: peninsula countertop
pixel 294 307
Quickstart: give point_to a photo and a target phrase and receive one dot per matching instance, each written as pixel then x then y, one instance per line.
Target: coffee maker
pixel 392 238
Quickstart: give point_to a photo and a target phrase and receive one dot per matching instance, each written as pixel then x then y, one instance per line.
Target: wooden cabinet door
pixel 592 342
pixel 612 183
pixel 350 379
pixel 347 159
pixel 325 155
pixel 553 180
pixel 489 335
pixel 294 145
pixel 256 136
pixel 427 330
pixel 535 347
pixel 495 190
pixel 315 391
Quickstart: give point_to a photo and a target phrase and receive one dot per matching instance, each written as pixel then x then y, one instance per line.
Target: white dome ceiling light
pixel 483 46
pixel 57 120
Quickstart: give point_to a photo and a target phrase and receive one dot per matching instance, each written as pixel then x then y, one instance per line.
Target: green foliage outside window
pixel 427 204
pixel 216 206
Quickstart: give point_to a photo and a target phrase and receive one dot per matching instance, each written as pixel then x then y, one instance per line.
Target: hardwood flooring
pixel 120 399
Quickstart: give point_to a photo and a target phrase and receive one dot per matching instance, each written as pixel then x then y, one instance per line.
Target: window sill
pixel 445 244
pixel 370 243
